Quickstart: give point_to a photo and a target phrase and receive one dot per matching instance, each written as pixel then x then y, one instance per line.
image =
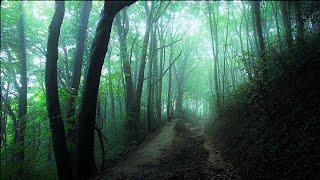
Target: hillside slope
pixel 276 133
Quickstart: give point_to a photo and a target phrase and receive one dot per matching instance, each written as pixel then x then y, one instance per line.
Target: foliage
pixel 261 143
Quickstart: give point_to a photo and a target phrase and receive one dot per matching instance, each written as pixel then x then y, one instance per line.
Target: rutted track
pixel 188 156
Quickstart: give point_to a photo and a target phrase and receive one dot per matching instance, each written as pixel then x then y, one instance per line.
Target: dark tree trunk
pixel 22 115
pixel 155 84
pixel 66 71
pixel 162 56
pixel 224 58
pixel 214 42
pixel 287 22
pixel 132 125
pixel 76 75
pixel 2 124
pixel 275 11
pixel 85 136
pixel 150 114
pixel 179 99
pixel 258 26
pixel 53 106
pixel 299 22
pixel 169 104
pixel 122 25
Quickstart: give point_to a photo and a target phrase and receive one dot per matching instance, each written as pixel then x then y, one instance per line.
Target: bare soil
pixel 174 155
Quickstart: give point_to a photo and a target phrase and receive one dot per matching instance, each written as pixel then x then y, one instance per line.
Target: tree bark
pixel 122 25
pixel 162 60
pixel 224 58
pixel 275 11
pixel 299 22
pixel 169 104
pixel 151 74
pixel 85 136
pixel 258 26
pixel 22 115
pixel 77 66
pixel 214 39
pixel 52 97
pixel 287 22
pixel 132 125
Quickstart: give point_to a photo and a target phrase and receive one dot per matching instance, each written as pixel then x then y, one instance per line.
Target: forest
pixel 160 90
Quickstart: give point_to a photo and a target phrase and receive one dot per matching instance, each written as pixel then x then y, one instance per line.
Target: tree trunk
pixel 224 58
pixel 122 25
pixel 22 115
pixel 77 66
pixel 85 136
pixel 53 106
pixel 258 26
pixel 169 104
pixel 132 125
pixel 299 22
pixel 214 42
pixel 111 92
pixel 150 98
pixel 162 56
pixel 179 98
pixel 275 11
pixel 287 23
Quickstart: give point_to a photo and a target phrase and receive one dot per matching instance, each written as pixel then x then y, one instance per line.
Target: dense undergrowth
pixel 270 128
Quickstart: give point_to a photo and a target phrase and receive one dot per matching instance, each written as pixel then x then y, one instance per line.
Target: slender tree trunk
pixel 155 84
pixel 2 124
pixel 85 137
pixel 224 58
pixel 214 42
pixel 122 25
pixel 299 22
pixel 169 104
pixel 247 28
pixel 287 23
pixel 179 97
pixel 22 115
pixel 53 106
pixel 275 11
pixel 151 75
pixel 136 67
pixel 255 34
pixel 65 72
pixel 258 26
pixel 77 66
pixel 162 56
pixel 132 125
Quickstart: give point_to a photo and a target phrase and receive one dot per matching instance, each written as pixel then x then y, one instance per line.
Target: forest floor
pixel 179 150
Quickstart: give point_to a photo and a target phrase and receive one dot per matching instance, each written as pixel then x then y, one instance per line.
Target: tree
pixel 22 115
pixel 287 22
pixel 258 26
pixel 85 136
pixel 275 11
pixel 122 25
pixel 54 113
pixel 213 22
pixel 76 75
pixel 299 22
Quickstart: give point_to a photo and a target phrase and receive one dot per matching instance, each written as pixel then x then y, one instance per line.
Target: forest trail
pixel 172 154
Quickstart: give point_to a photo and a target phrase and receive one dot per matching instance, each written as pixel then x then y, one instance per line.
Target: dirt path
pixel 173 155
